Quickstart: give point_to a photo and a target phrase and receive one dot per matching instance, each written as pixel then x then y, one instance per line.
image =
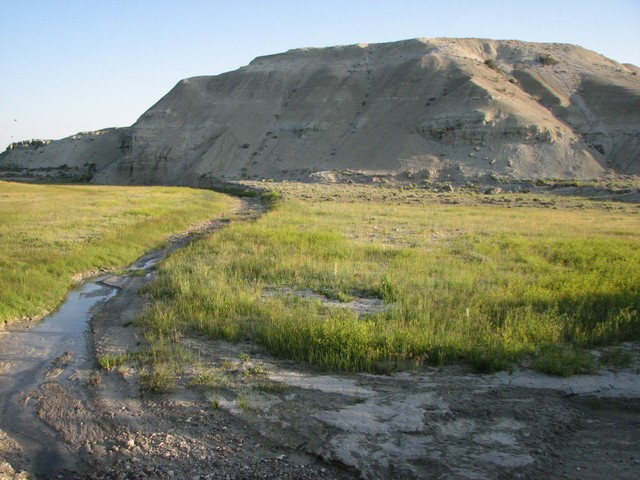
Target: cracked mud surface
pixel 254 416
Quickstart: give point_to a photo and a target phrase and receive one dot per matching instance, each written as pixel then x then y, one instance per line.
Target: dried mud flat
pixel 307 424
pixel 237 413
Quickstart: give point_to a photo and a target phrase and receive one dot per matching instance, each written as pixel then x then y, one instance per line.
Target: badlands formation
pixel 455 110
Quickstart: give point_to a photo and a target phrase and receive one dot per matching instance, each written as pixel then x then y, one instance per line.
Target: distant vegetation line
pixel 50 234
pixel 459 280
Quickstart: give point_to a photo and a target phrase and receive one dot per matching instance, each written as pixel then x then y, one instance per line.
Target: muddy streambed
pixel 45 368
pixel 37 361
pixel 260 417
pixel 53 350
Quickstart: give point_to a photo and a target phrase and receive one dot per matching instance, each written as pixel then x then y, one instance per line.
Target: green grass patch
pixel 244 400
pixel 210 378
pixel 461 280
pixel 50 233
pixel 158 378
pixel 564 361
pixel 616 358
pixel 111 362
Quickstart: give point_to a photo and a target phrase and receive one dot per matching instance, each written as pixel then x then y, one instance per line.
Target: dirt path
pixel 238 413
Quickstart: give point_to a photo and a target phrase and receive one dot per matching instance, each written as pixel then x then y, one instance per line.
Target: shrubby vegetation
pixel 492 64
pixel 461 281
pixel 547 59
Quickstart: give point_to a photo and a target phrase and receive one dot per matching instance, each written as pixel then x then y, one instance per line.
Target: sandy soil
pixel 259 417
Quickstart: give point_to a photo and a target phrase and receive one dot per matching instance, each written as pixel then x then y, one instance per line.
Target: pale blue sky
pixel 71 65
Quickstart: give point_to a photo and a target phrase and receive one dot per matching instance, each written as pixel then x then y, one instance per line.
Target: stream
pixel 32 353
pixel 60 349
pixel 57 349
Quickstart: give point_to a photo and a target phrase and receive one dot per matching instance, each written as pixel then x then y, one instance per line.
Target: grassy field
pixel 51 233
pixel 485 280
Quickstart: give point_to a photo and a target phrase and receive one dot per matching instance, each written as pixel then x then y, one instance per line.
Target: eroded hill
pixel 416 110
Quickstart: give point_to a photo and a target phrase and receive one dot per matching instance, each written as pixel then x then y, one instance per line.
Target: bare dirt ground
pixel 237 413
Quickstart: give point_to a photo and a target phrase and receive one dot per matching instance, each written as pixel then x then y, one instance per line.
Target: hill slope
pixel 458 109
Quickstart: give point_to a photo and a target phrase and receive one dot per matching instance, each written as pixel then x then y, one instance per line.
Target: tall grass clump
pixel 484 285
pixel 51 233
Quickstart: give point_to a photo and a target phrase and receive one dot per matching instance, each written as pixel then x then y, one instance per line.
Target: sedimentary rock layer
pixel 423 109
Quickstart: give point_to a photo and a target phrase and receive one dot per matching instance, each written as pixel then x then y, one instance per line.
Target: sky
pixel 68 66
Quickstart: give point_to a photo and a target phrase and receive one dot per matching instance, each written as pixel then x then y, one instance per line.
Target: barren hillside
pixel 423 109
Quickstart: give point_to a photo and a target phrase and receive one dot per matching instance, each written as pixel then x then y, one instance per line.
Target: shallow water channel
pixel 60 348
pixel 56 349
pixel 28 356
